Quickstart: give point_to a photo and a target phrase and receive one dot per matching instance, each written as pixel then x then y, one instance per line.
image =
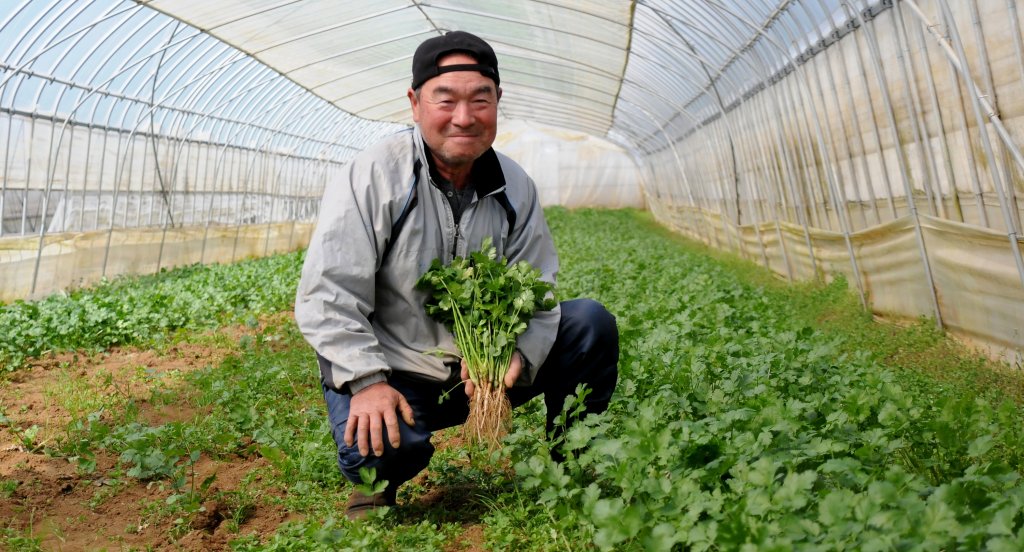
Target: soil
pixel 72 510
pixel 49 498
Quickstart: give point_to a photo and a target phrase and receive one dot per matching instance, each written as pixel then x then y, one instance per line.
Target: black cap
pixel 424 61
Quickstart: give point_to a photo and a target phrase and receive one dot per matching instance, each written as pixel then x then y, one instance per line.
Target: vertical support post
pixel 908 190
pixel 855 123
pixel 1003 163
pixel 929 171
pixel 801 214
pixel 947 152
pixel 836 196
pixel 976 95
pixel 876 131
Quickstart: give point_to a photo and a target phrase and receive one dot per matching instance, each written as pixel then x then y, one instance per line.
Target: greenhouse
pixel 804 215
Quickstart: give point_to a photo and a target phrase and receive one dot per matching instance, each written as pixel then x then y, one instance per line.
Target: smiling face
pixel 458 115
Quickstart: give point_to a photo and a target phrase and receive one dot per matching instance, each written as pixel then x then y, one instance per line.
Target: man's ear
pixel 499 93
pixel 414 103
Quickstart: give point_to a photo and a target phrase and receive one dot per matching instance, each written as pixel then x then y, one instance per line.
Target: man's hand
pixel 372 409
pixel 515 367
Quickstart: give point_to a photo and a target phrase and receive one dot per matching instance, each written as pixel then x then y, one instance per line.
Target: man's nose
pixel 462 115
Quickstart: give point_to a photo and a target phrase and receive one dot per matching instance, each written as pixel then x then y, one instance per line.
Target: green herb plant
pixel 486 303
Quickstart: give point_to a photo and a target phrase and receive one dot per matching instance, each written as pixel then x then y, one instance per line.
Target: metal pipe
pixel 979 110
pixel 972 160
pixel 845 71
pixel 755 207
pixel 939 123
pixel 28 181
pixel 811 166
pixel 819 85
pixel 911 203
pixel 958 65
pixel 7 164
pixel 776 169
pixel 828 167
pixel 837 197
pixel 1003 163
pixel 1018 42
pixel 798 198
pixel 50 171
pixel 852 13
pixel 928 168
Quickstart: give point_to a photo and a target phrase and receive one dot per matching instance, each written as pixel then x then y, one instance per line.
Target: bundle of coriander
pixel 486 303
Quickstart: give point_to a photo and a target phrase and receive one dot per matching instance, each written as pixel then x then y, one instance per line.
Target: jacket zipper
pixel 451 219
pixel 455 242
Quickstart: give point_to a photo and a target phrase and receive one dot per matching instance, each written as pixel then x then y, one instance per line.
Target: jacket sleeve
pixel 335 296
pixel 531 241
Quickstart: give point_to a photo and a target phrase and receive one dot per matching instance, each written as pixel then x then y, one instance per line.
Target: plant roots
pixel 490 416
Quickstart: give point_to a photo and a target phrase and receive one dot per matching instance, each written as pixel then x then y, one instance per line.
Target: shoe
pixel 359 504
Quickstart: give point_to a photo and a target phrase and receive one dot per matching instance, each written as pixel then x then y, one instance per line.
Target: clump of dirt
pixel 50 498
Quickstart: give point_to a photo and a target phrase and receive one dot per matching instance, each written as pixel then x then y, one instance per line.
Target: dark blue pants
pixel 585 351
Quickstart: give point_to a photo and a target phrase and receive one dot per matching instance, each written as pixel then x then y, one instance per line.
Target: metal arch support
pixel 981 109
pixel 853 260
pixel 908 190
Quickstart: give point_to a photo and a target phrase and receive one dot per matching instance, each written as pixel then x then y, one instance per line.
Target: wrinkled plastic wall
pixel 131 142
pixel 572 169
pixel 106 202
pixel 811 176
pixel 97 178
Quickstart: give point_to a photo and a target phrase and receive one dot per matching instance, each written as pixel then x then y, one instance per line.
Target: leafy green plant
pixel 240 505
pixel 737 426
pixel 370 485
pixel 146 309
pixel 486 303
pixel 29 438
pixel 7 487
pixel 185 503
pixel 17 541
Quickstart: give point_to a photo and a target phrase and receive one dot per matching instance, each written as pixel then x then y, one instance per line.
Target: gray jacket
pixel 366 318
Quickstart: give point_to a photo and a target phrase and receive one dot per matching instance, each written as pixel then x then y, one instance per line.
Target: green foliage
pixel 19 542
pixel 146 309
pixel 738 423
pixel 735 427
pixel 486 304
pixel 28 437
pixel 370 485
pixel 7 487
pixel 270 397
pixel 330 535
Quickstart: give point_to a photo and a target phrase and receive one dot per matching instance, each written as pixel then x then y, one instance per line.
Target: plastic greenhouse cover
pixel 628 71
pixel 358 54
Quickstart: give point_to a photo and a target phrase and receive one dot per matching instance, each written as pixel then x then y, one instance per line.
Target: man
pixel 434 191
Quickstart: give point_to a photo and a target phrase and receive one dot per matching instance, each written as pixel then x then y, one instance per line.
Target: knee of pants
pixel 602 344
pixel 598 328
pixel 395 464
pixel 602 331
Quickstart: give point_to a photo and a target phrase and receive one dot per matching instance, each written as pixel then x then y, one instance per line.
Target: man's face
pixel 457 113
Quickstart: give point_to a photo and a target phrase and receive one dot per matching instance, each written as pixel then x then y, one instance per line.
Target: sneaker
pixel 359 504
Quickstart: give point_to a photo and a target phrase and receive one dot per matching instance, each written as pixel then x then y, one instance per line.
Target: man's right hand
pixel 372 409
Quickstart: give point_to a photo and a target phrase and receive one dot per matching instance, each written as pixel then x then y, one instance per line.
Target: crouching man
pixel 434 191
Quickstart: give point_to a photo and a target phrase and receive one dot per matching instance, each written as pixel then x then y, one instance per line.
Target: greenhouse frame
pixel 878 141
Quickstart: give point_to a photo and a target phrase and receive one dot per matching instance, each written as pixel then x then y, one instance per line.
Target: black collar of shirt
pixel 485 177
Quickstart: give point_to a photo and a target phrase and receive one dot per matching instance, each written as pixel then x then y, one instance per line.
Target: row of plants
pixel 735 425
pixel 143 309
